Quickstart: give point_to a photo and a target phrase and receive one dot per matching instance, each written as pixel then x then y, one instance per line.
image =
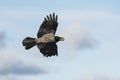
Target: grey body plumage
pixel 46 39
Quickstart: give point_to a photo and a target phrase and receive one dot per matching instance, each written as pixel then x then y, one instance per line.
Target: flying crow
pixel 46 39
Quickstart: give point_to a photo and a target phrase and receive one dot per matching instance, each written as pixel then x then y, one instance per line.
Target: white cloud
pixel 10 63
pixel 10 77
pixel 100 77
pixel 76 36
pixel 70 27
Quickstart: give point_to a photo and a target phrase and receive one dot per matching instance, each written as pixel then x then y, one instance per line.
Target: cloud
pixel 77 38
pixel 19 68
pixel 11 64
pixel 100 77
pixel 10 77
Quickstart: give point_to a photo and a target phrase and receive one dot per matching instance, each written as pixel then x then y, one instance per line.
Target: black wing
pixel 49 25
pixel 48 49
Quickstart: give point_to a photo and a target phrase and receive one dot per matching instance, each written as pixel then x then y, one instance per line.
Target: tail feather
pixel 29 42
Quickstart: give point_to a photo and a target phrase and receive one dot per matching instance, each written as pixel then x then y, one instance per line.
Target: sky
pixel 91 49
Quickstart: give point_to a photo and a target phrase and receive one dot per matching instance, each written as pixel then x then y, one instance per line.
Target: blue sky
pixel 90 50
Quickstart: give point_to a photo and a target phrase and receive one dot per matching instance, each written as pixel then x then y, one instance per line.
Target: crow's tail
pixel 29 42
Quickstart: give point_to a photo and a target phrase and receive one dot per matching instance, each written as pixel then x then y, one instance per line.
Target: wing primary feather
pixel 51 18
pixel 48 18
pixel 45 19
pixel 56 18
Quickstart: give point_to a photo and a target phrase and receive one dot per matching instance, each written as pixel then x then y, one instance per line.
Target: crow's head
pixel 57 38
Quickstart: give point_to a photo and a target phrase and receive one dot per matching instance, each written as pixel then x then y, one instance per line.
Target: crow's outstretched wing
pixel 48 49
pixel 49 25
